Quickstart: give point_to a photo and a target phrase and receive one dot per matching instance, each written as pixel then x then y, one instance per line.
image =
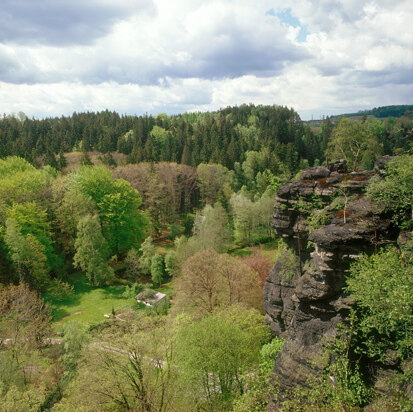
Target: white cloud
pixel 145 56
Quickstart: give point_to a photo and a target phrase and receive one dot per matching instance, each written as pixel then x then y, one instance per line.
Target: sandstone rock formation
pixel 326 221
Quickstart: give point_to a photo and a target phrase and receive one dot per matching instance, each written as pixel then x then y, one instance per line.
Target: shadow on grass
pixel 115 291
pixel 83 289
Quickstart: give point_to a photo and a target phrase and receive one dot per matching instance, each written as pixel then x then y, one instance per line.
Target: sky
pixel 320 57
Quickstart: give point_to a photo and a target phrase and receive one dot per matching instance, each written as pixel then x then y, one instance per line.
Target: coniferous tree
pixel 61 162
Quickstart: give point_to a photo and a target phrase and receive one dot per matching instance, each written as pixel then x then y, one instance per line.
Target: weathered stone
pixel 339 166
pixel 315 173
pixel 333 235
pixel 296 189
pixel 303 294
pixel 278 289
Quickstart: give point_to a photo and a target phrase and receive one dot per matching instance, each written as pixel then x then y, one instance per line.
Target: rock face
pixel 326 221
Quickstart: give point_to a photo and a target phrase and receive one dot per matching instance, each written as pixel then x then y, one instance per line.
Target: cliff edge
pixel 326 221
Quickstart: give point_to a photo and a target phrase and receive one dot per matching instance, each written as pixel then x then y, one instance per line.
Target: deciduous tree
pixel 92 251
pixel 353 140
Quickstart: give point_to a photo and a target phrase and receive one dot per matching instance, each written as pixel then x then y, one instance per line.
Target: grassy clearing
pixel 89 303
pixel 93 302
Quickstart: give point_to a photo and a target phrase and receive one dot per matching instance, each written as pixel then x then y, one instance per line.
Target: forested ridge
pixel 385 111
pixel 175 204
pixel 218 137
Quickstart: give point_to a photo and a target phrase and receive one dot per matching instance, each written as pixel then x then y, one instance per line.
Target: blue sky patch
pixel 287 18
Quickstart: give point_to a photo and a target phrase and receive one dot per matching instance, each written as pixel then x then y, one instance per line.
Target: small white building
pixel 150 299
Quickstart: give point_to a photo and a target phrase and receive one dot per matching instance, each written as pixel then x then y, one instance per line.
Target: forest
pixel 386 111
pixel 97 209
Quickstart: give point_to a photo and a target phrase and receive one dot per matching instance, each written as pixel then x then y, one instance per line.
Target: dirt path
pixel 69 316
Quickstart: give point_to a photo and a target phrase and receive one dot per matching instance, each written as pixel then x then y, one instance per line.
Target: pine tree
pixel 50 159
pixel 61 161
pixel 85 159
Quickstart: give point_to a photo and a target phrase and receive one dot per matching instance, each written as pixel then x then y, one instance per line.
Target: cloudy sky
pixel 320 57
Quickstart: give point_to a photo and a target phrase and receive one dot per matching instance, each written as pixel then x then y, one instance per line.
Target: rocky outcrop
pixel 326 221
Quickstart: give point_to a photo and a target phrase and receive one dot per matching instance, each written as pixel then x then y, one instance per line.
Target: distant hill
pixel 384 111
pixel 378 112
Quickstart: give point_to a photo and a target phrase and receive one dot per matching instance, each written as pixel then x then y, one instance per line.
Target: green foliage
pixel 123 224
pixel 59 290
pixel 157 269
pixel 132 290
pixel 214 352
pixel 33 220
pixel 170 262
pixel 92 181
pixel 137 375
pixel 14 164
pixel 50 160
pixel 160 136
pixel 85 159
pixel 308 206
pixel 252 219
pixel 61 161
pixel 395 192
pixel 210 228
pixel 74 337
pixel 132 265
pixel 159 309
pixel 313 210
pixel 258 386
pixel 108 160
pixel 354 141
pixel 24 324
pixel 318 219
pixel 267 179
pixel 27 254
pixel 214 182
pixel 260 170
pixel 288 265
pixel 382 288
pixel 92 251
pixel 21 182
pixel 175 230
pixel 21 401
pixel 72 207
pixel 269 353
pixel 147 250
pixel 385 111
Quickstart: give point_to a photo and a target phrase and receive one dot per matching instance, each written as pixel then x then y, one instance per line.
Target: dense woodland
pixel 386 111
pixel 179 204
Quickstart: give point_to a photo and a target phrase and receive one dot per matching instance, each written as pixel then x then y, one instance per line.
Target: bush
pixel 59 290
pixel 175 230
pixel 132 290
pixel 382 288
